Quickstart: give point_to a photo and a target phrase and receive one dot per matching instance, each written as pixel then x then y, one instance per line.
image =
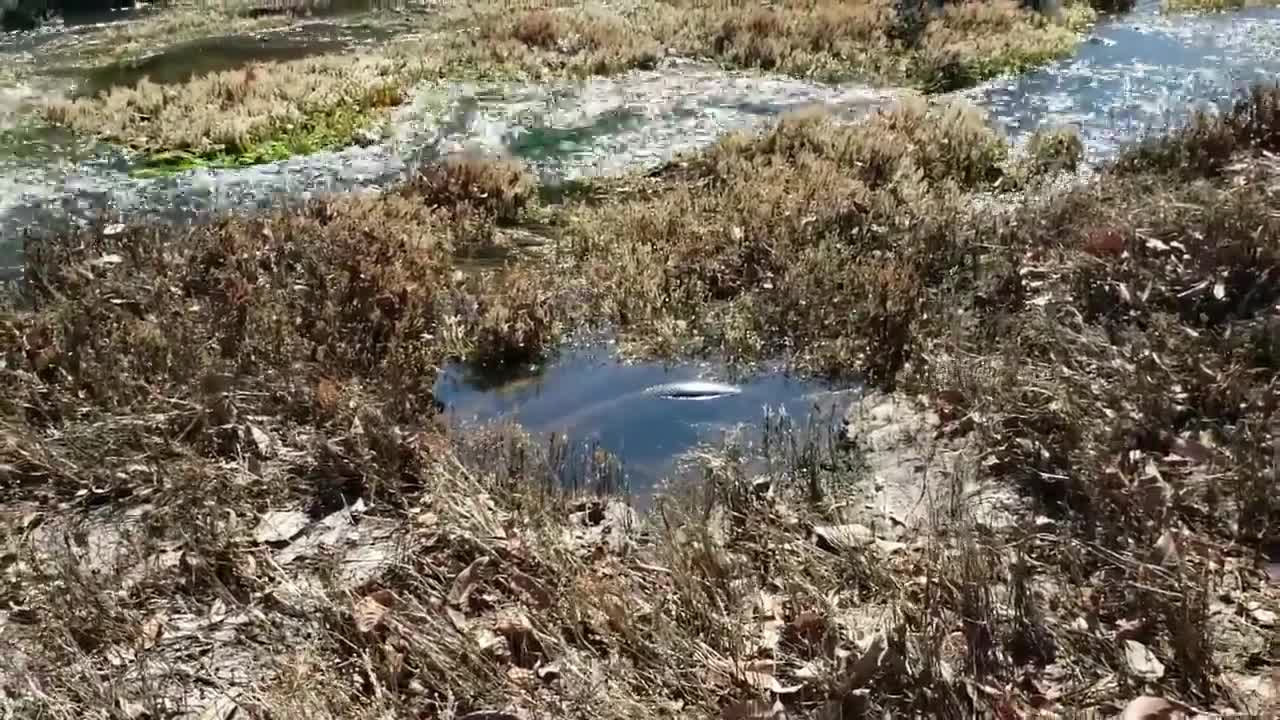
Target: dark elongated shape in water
pixel 693 390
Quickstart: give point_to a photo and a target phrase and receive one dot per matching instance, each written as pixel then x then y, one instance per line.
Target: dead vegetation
pixel 225 485
pixel 550 42
pixel 816 239
pixel 879 41
pixel 873 40
pixel 237 111
pixel 119 42
pixel 269 111
pixel 1211 6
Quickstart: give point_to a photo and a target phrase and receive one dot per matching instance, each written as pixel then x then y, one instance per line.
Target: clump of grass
pixel 1150 266
pixel 1209 6
pixel 815 236
pixel 515 323
pixel 972 41
pixel 1050 151
pixel 877 40
pixel 348 290
pixel 261 113
pixel 119 42
pixel 827 41
pixel 872 40
pixel 496 187
pixel 1207 143
pixel 569 41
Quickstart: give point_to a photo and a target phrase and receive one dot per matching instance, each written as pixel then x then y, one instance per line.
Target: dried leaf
pixel 261 441
pixel 489 715
pixel 1166 550
pixel 132 710
pixel 540 596
pixel 110 259
pixel 458 619
pixel 1148 707
pixel 1264 617
pixel 760 675
pixel 467 581
pixel 372 609
pixel 489 641
pixel 280 526
pixel 867 665
pixel 221 708
pixel 1142 662
pixel 770 634
pixel 769 605
pixel 837 538
pixel 152 629
pixel 889 547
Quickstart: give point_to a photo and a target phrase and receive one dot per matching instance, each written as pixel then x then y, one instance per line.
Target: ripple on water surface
pixel 1140 73
pixel 592 399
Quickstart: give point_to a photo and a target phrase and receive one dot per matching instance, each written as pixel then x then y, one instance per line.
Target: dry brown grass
pixel 873 40
pixel 563 40
pixel 269 111
pixel 118 42
pixel 236 110
pixel 1206 6
pixel 1111 350
pixel 815 239
pixel 1052 150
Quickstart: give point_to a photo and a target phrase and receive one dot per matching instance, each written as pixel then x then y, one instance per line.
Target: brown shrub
pixel 1206 144
pixel 566 40
pixel 497 188
pixel 1156 314
pixel 814 235
pixel 234 110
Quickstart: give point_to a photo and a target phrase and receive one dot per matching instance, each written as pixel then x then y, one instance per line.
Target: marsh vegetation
pixel 228 485
pixel 1109 350
pixel 271 110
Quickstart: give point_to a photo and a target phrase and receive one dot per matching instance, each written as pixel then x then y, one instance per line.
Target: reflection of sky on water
pixel 593 399
pixel 1138 74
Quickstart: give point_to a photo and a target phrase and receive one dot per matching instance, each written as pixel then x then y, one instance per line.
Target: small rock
pixel 1265 618
pixel 1142 662
pixel 882 413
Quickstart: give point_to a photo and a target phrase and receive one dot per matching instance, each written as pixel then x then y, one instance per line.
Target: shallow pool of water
pixel 595 400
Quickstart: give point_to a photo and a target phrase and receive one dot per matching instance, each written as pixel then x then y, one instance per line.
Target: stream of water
pixel 1136 73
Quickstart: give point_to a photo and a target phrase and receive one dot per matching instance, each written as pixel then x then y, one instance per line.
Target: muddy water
pixel 1136 73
